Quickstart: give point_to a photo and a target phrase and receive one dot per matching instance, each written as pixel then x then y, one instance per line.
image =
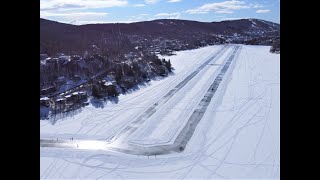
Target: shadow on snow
pixel 97 103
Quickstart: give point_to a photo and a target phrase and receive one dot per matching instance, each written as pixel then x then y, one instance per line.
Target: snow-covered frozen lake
pixel 237 137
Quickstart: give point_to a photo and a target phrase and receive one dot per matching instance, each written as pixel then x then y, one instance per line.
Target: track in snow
pixel 151 110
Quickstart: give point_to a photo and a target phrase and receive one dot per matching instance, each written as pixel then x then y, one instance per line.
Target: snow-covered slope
pixel 238 136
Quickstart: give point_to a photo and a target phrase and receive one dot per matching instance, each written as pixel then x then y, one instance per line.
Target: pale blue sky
pixel 112 11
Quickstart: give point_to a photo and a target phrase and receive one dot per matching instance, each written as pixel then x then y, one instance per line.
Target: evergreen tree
pixel 95 91
pixel 168 65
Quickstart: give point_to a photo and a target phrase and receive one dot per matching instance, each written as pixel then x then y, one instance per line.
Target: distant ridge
pixel 62 37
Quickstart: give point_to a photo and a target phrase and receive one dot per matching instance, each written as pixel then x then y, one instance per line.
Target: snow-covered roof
pixel 44 98
pixel 108 83
pixel 43 62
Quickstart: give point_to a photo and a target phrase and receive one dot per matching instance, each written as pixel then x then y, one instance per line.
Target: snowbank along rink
pixel 236 137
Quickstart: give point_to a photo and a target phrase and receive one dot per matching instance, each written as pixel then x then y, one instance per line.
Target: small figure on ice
pixel 77 145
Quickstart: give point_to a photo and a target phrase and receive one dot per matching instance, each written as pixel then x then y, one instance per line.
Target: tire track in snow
pixel 151 110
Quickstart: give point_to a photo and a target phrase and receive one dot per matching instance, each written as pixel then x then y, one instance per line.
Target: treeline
pixel 126 73
pixel 275 48
pixel 111 38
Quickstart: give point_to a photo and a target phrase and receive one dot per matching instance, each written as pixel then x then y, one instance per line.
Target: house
pixel 77 97
pixel 80 96
pixel 64 59
pixel 68 98
pixel 60 101
pixel 45 101
pixel 52 60
pixel 43 62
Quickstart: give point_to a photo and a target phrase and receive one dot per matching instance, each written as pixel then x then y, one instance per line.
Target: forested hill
pixel 75 39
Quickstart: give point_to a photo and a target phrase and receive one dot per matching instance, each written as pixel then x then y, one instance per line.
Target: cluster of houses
pixel 59 58
pixel 56 101
pixel 53 88
pixel 158 45
pixel 65 103
pixel 72 100
pixel 163 46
